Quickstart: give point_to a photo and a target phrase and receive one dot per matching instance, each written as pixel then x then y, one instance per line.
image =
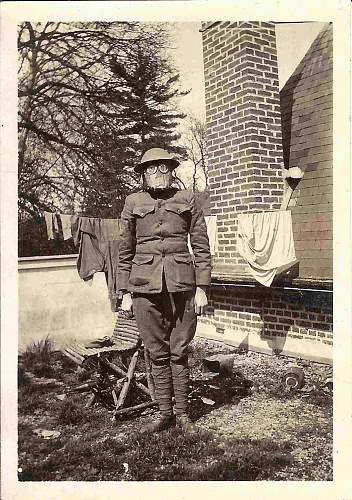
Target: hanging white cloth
pixel 265 241
pixel 212 231
pixel 48 216
pixel 210 221
pixel 66 226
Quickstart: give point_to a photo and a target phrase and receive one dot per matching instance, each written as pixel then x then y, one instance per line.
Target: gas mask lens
pixel 162 167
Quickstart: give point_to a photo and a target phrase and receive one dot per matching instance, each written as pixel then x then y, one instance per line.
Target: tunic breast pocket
pixel 180 213
pixel 144 219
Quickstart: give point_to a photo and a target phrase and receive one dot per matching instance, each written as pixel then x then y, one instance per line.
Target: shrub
pixel 37 358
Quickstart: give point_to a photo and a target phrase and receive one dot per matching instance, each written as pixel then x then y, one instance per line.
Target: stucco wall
pixel 55 302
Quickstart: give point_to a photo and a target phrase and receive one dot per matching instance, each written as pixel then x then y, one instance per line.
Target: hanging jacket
pixel 98 250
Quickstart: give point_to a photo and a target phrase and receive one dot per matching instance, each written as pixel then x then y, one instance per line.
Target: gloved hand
pixel 126 304
pixel 200 300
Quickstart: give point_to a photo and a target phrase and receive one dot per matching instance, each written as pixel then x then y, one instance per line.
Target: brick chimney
pixel 244 128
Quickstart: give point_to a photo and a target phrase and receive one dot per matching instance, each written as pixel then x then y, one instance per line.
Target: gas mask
pixel 158 176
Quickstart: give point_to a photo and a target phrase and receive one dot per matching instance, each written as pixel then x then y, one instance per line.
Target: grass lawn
pixel 253 431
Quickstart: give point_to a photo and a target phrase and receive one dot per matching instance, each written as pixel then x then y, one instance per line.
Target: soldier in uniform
pixel 160 281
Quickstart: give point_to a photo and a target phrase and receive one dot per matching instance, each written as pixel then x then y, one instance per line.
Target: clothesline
pixel 98 241
pixel 66 226
pixel 265 241
pixel 68 229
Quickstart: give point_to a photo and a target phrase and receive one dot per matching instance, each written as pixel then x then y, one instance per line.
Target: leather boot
pixel 185 423
pixel 161 424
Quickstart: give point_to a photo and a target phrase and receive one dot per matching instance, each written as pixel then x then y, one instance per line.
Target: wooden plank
pixel 114 368
pixel 142 406
pixel 114 397
pixel 130 372
pixel 123 335
pixel 128 339
pixel 143 388
pixel 75 354
pixel 69 355
pixel 81 349
pixel 126 331
pixel 91 401
pixel 130 331
pixel 122 347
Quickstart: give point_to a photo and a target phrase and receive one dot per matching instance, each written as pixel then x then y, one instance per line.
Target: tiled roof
pixel 306 108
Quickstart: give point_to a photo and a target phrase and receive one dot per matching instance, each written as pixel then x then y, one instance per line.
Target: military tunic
pixel 154 236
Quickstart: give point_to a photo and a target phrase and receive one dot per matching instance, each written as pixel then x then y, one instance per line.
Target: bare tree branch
pixel 92 97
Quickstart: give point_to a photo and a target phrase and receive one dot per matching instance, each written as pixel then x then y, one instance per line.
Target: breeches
pixel 167 324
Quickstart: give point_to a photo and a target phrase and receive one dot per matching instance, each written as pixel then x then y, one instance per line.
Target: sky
pixel 293 40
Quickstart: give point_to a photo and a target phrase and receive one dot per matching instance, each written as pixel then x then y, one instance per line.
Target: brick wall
pixel 245 161
pixel 275 321
pixel 272 312
pixel 244 128
pixel 306 106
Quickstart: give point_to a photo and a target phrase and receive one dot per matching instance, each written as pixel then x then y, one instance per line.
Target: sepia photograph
pixel 175 238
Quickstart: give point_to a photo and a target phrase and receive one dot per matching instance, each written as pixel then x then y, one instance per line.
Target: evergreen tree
pixel 148 89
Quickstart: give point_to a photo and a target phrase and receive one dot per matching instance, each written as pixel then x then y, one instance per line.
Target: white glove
pixel 126 304
pixel 200 301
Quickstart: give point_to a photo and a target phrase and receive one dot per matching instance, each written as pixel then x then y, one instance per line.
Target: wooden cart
pixel 113 368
